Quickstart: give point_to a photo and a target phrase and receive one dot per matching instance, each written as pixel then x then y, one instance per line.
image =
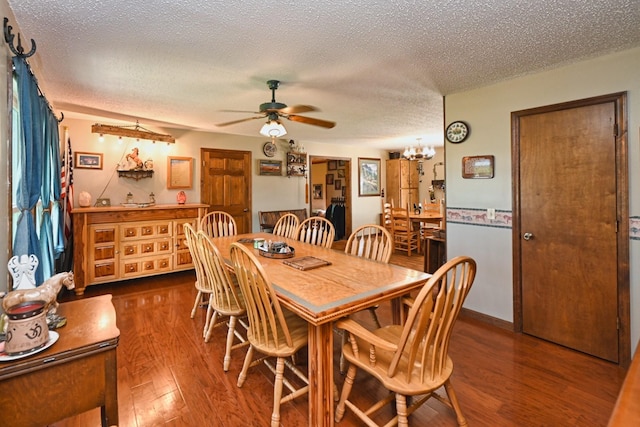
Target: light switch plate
pixel 491 213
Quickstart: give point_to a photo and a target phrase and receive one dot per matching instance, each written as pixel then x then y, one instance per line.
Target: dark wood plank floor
pixel 168 375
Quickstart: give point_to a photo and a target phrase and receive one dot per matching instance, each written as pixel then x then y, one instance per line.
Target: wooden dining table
pixel 321 295
pixel 434 217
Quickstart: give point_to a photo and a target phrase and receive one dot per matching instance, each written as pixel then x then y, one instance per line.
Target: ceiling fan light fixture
pixel 273 129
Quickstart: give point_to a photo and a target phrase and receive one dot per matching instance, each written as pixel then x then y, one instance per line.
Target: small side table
pixel 435 253
pixel 76 374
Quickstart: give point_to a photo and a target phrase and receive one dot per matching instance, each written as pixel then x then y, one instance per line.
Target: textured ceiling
pixel 378 68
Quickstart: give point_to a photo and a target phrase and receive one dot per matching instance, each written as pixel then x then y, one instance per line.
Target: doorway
pixel 330 189
pixel 226 184
pixel 570 233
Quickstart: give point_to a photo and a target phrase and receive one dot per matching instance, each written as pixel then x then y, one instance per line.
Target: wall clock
pixel 457 132
pixel 269 149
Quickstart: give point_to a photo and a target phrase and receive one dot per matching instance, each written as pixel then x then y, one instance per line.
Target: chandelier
pixel 419 153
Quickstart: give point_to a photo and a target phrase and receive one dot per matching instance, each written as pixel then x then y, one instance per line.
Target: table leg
pixel 109 411
pixel 321 384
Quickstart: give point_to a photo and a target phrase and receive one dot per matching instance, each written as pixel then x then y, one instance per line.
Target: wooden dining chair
pixel 427 228
pixel 317 231
pixel 405 237
pixel 202 284
pixel 372 242
pixel 385 219
pixel 226 302
pixel 411 359
pixel 273 331
pixel 287 226
pixel 218 224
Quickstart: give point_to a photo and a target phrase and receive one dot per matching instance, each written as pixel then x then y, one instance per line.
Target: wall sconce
pixel 134 131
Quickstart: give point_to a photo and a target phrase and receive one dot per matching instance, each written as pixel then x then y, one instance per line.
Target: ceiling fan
pixel 274 110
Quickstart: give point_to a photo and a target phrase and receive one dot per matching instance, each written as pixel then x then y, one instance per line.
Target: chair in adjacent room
pixel 273 331
pixel 218 224
pixel 317 231
pixel 225 300
pixel 385 219
pixel 411 359
pixel 427 228
pixel 372 242
pixel 287 226
pixel 405 237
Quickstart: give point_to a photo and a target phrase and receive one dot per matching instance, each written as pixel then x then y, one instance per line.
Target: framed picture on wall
pixel 179 172
pixel 317 191
pixel 332 165
pixel 477 167
pixel 329 179
pixel 340 173
pixel 338 184
pixel 88 160
pixel 270 167
pixel 368 177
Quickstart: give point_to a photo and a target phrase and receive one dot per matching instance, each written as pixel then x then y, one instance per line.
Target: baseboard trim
pixel 494 321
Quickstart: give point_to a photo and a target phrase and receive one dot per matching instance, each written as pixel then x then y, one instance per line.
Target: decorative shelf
pixel 296 164
pixel 135 174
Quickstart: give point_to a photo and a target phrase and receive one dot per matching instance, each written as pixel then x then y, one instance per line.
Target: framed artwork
pixel 340 173
pixel 332 165
pixel 179 172
pixel 88 160
pixel 317 191
pixel 368 177
pixel 329 179
pixel 344 191
pixel 270 167
pixel 341 163
pixel 338 184
pixel 477 167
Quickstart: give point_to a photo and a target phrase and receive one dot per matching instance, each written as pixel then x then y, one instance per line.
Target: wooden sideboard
pixel 118 243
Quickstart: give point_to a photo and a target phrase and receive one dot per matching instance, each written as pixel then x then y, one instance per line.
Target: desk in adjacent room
pixel 76 374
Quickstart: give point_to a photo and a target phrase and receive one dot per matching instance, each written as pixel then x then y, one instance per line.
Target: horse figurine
pixel 46 292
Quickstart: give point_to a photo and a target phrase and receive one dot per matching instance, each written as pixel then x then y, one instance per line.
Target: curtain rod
pixel 19 52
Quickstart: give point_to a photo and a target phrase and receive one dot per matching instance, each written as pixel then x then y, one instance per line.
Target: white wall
pixel 268 192
pixel 488 110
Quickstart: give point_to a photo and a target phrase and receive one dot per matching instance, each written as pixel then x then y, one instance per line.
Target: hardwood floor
pixel 168 375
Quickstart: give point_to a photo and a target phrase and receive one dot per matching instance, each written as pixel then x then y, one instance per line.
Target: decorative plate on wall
pixel 269 149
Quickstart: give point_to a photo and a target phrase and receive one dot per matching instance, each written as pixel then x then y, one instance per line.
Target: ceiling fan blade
pixel 296 109
pixel 239 121
pixel 311 121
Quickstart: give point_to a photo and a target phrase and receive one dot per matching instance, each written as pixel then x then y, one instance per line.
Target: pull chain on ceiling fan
pixel 274 110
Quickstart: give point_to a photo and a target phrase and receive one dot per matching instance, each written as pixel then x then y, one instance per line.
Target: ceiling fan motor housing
pixel 267 106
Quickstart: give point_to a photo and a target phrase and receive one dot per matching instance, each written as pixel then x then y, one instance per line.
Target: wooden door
pixel 226 184
pixel 569 198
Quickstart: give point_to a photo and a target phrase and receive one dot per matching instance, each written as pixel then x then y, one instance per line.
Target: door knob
pixel 245 210
pixel 527 236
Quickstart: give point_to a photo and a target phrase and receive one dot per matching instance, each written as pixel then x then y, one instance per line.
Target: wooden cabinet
pixel 402 182
pixel 112 244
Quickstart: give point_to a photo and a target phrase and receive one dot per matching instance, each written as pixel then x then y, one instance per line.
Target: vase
pixel 181 198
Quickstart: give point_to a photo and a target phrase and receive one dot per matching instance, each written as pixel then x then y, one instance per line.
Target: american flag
pixel 66 180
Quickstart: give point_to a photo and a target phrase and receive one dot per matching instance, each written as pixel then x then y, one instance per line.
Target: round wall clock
pixel 269 149
pixel 457 132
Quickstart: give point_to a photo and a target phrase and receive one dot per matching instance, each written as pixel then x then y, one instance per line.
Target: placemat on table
pixel 306 262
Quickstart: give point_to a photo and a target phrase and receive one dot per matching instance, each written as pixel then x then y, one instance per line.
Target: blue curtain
pixel 50 168
pixel 29 183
